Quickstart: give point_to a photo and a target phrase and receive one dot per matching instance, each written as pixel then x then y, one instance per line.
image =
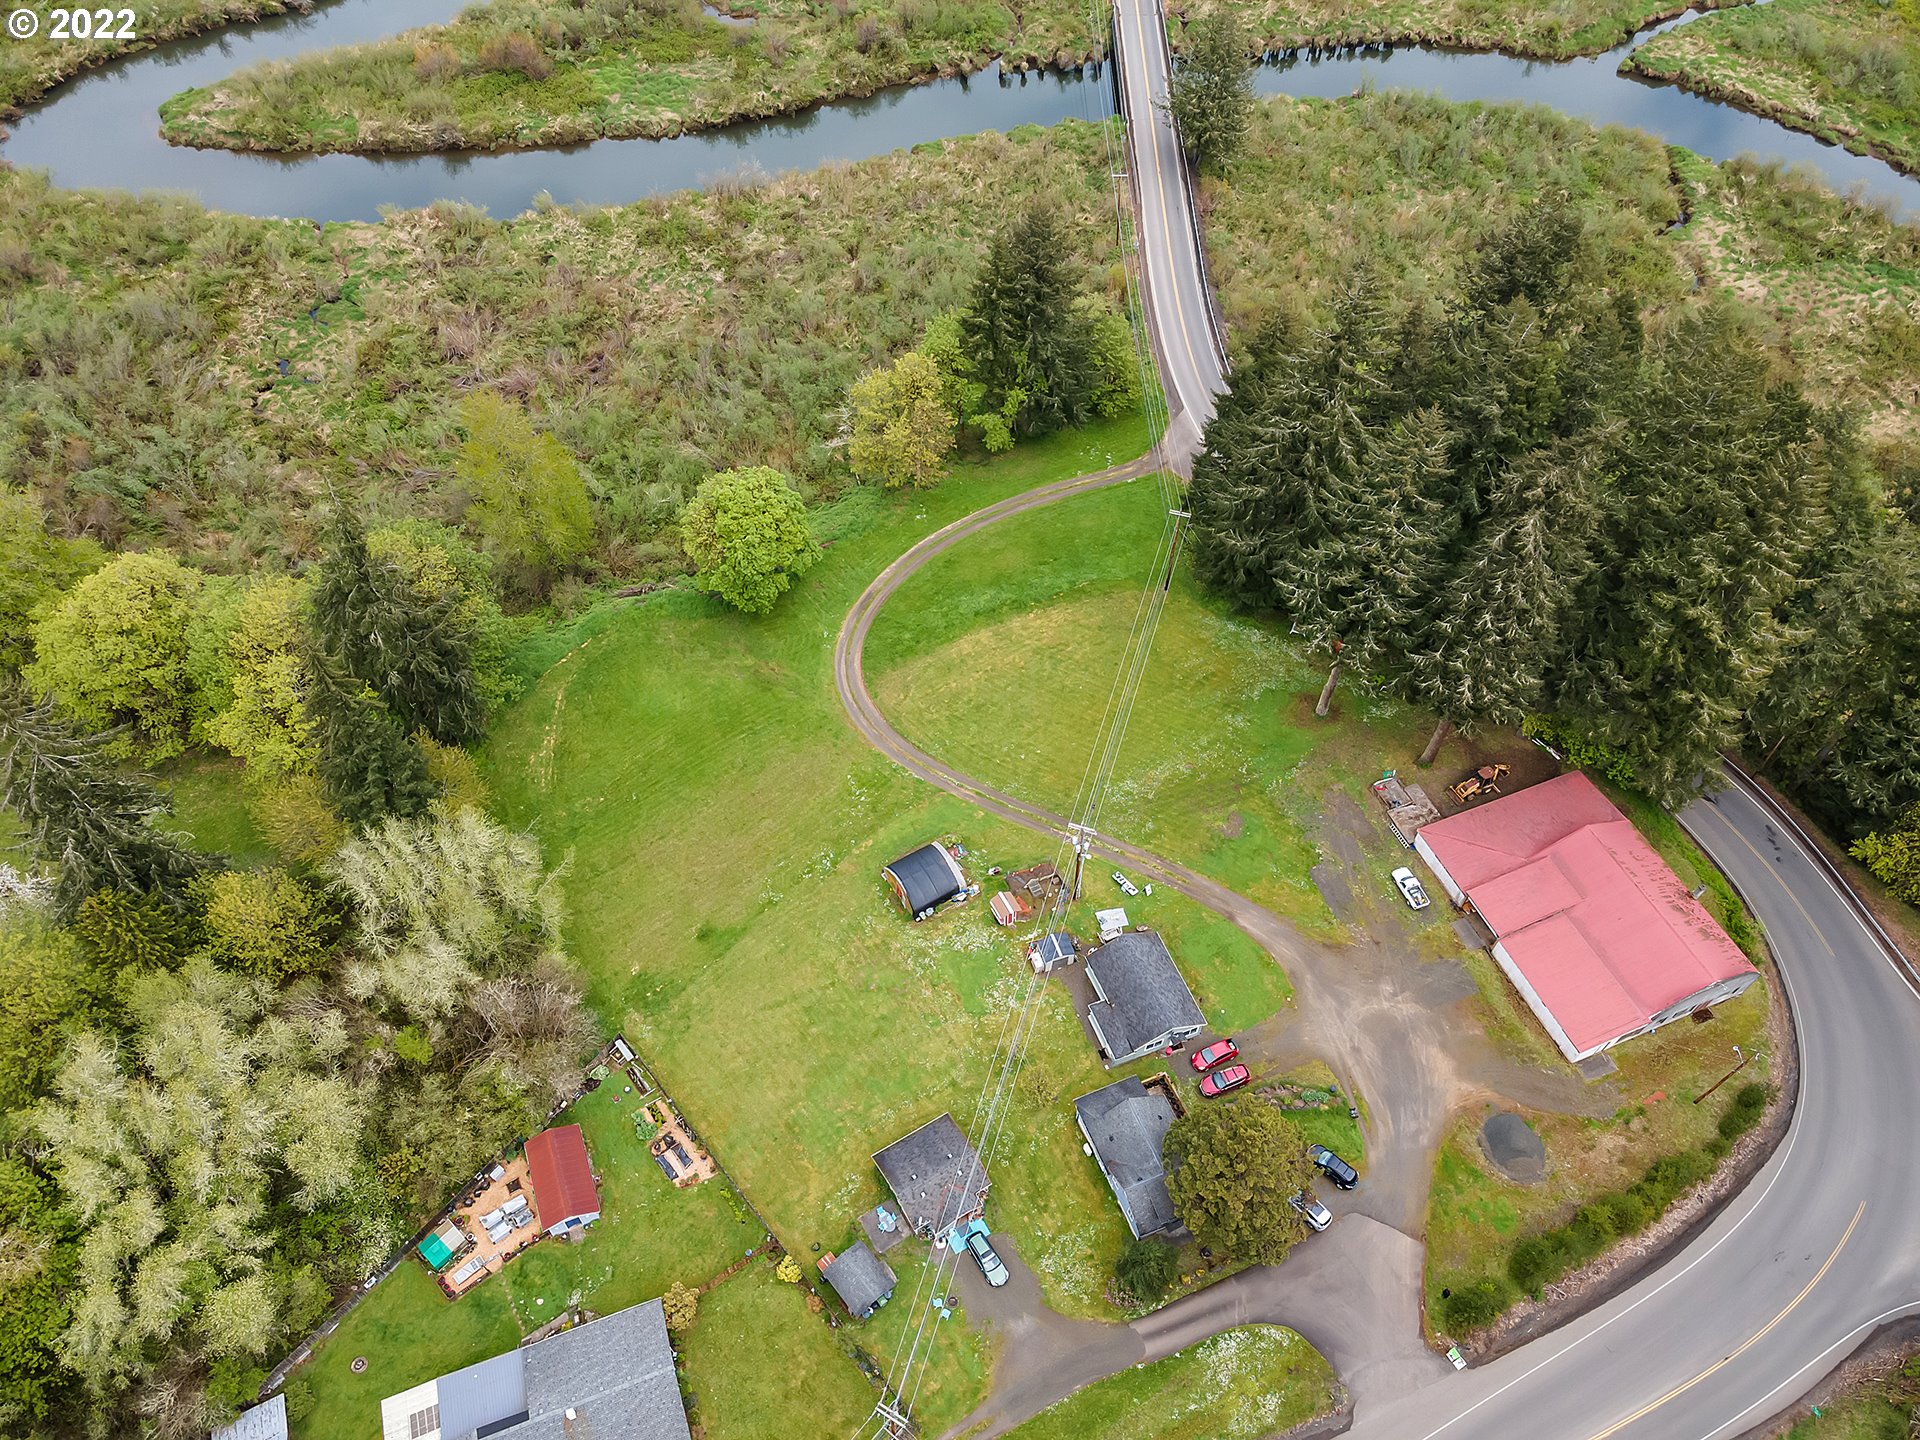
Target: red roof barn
pixel 563 1190
pixel 1600 937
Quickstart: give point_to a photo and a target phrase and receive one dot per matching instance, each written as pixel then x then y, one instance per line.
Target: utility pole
pixel 1744 1058
pixel 1082 847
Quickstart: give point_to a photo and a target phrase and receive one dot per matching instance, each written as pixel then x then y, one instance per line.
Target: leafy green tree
pixel 265 721
pixel 83 817
pixel 410 649
pixel 35 567
pixel 266 924
pixel 1116 366
pixel 38 1269
pixel 47 988
pixel 681 1305
pixel 525 493
pixel 1230 1170
pixel 1211 94
pixel 370 765
pixel 125 930
pixel 902 428
pixel 747 533
pixel 1031 347
pixel 1893 855
pixel 113 654
pixel 1146 1269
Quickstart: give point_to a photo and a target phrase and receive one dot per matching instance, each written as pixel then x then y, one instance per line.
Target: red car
pixel 1221 1081
pixel 1217 1053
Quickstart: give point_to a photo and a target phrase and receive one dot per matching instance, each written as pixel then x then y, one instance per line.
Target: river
pixel 102 130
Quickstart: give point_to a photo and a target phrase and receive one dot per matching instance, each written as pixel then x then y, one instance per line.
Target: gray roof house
pixel 610 1377
pixel 1144 1002
pixel 265 1421
pixel 1125 1123
pixel 935 1176
pixel 861 1279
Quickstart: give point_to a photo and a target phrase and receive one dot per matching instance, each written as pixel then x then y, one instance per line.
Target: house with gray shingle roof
pixel 861 1279
pixel 1126 1124
pixel 609 1377
pixel 1144 1003
pixel 935 1176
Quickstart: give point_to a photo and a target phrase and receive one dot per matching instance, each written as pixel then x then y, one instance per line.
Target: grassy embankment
pixel 1547 29
pixel 542 72
pixel 30 68
pixel 1241 1384
pixel 1845 70
pixel 1868 1414
pixel 659 341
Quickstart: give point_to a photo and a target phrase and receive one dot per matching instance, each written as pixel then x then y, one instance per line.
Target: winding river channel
pixel 103 129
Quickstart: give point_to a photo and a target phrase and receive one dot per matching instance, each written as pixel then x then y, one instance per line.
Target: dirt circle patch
pixel 1516 1151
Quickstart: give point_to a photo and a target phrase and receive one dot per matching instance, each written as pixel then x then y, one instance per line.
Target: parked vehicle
pixel 1217 1053
pixel 1219 1082
pixel 1411 890
pixel 1127 887
pixel 1311 1210
pixel 1333 1167
pixel 987 1258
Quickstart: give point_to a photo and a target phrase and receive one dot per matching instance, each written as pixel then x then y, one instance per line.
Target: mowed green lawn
pixel 1241 1384
pixel 1000 657
pixel 650 1234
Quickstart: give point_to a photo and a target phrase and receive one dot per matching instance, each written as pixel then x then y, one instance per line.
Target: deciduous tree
pixel 35 567
pixel 265 722
pixel 266 924
pixel 747 533
pixel 902 428
pixel 113 654
pixel 525 493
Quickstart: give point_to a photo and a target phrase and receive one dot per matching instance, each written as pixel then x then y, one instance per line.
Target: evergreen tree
pixel 1499 624
pixel 413 650
pixel 82 816
pixel 1211 94
pixel 1031 347
pixel 1719 475
pixel 370 764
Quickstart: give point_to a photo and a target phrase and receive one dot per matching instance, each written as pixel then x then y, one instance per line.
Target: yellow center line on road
pixel 1785 888
pixel 1769 1328
pixel 1153 154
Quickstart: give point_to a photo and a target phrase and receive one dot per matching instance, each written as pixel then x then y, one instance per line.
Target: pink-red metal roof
pixel 1603 930
pixel 563 1185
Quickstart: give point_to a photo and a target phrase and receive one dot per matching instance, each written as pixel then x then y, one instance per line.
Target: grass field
pixel 210 804
pixel 1475 1215
pixel 1241 1384
pixel 1846 71
pixel 1866 1416
pixel 649 1236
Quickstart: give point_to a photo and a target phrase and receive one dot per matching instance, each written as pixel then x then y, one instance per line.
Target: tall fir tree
pixel 1031 347
pixel 413 650
pixel 90 821
pixel 370 763
pixel 1718 478
pixel 1211 94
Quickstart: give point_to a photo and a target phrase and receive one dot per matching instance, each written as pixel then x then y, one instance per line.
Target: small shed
pixel 564 1191
pixel 1050 950
pixel 1036 883
pixel 441 1246
pixel 936 1176
pixel 1111 922
pixel 1009 909
pixel 926 879
pixel 861 1279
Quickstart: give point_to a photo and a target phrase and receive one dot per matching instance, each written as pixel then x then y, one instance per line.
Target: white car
pixel 1127 887
pixel 1311 1210
pixel 1411 889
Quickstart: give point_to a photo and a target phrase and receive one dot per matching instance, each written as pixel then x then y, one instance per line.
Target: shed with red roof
pixel 564 1194
pixel 1600 937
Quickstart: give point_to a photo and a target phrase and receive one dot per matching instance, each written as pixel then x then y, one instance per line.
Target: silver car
pixel 990 1263
pixel 1311 1210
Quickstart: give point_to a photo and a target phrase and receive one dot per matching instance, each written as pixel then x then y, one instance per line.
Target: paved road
pixel 1192 370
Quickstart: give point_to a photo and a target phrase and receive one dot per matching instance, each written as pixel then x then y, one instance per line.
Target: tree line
pixel 1538 507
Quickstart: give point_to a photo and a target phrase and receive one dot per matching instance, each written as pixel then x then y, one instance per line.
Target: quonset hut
pixel 925 879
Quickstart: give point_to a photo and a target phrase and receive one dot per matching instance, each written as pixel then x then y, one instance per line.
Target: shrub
pixel 788 1270
pixel 435 60
pixel 1540 1260
pixel 680 1306
pixel 1475 1306
pixel 1146 1268
pixel 1629 1211
pixel 516 50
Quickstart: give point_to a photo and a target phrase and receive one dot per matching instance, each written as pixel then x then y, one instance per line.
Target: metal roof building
pixel 609 1377
pixel 265 1421
pixel 1599 936
pixel 563 1190
pixel 926 878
